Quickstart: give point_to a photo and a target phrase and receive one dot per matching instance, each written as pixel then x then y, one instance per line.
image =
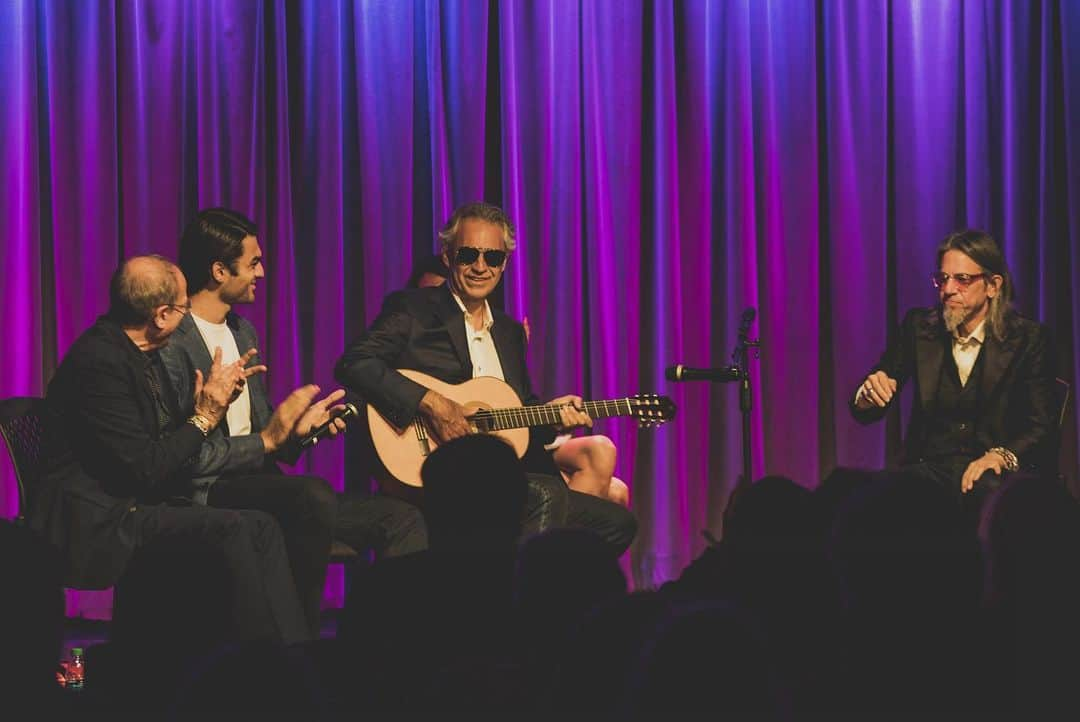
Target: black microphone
pixel 720 373
pixel 319 431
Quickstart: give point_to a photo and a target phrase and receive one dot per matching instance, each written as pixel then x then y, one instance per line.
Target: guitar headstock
pixel 652 409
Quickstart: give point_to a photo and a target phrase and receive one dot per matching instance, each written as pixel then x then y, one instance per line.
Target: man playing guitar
pixel 452 334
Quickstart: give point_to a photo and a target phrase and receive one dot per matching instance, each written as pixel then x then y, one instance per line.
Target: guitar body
pixel 402 452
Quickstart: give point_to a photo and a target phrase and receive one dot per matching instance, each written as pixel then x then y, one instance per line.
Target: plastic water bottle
pixel 76 670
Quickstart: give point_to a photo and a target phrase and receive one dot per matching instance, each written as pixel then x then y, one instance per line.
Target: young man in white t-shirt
pixel 237 467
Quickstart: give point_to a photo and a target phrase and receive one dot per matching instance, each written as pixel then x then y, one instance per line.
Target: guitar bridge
pixel 422 438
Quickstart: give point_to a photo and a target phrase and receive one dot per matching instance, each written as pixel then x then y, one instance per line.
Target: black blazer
pixel 222 452
pixel 1015 393
pixel 116 458
pixel 424 330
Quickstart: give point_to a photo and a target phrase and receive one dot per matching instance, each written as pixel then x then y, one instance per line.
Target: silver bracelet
pixel 1011 462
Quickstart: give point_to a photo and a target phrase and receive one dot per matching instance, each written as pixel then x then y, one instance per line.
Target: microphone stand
pixel 740 358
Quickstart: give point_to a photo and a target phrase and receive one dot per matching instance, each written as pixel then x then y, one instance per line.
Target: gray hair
pixel 483 211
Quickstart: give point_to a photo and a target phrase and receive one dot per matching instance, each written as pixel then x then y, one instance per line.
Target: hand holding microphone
pixel 319 421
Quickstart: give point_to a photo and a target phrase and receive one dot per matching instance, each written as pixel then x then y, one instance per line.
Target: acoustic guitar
pixel 493 408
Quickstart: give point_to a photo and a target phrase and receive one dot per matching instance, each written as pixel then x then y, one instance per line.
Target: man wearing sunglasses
pixel 983 376
pixel 586 463
pixel 452 333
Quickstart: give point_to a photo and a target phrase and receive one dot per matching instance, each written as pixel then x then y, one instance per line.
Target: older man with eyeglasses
pixel 983 376
pixel 117 484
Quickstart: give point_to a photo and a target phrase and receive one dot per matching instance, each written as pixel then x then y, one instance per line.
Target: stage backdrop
pixel 668 164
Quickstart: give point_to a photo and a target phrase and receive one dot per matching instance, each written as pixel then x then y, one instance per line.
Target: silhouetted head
pixel 903 542
pixel 705 656
pixel 474 494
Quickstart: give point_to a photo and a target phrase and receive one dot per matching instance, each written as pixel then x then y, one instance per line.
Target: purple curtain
pixel 667 164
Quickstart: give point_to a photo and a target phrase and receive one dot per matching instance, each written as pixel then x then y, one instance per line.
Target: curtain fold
pixel 668 164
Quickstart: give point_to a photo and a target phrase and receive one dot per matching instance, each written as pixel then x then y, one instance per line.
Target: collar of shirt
pixel 489 320
pixel 976 337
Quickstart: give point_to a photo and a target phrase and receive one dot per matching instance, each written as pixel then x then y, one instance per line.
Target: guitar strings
pixel 517 417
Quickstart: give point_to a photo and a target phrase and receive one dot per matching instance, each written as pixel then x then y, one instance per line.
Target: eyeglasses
pixel 963 280
pixel 467 255
pixel 182 308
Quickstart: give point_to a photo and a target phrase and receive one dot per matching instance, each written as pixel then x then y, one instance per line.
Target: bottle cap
pixel 76 651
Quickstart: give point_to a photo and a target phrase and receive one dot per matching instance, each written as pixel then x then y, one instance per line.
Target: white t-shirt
pixel 216 335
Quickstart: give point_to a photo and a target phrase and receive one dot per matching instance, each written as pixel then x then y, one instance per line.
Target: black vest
pixel 950 428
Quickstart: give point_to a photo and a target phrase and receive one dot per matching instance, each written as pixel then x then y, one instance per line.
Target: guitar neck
pixel 548 414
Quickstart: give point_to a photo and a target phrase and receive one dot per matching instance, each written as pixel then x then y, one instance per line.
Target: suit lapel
pixel 930 355
pixel 506 345
pixel 188 336
pixel 450 314
pixel 997 357
pixel 260 399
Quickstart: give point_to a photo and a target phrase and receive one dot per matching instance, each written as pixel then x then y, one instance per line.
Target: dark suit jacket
pixel 116 456
pixel 1015 393
pixel 423 329
pixel 222 452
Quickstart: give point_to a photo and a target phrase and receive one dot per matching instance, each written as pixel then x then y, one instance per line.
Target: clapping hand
pixel 222 386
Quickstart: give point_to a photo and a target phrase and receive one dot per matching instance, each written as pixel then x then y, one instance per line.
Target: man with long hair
pixel 983 376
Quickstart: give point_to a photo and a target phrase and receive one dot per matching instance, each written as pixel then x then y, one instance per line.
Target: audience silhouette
pixel 869 597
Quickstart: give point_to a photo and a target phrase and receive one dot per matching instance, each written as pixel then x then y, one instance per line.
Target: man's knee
pixel 619 492
pixel 316 496
pixel 260 526
pixel 591 454
pixel 600 448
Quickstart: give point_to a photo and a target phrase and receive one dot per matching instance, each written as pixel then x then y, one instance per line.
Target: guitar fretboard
pixel 548 414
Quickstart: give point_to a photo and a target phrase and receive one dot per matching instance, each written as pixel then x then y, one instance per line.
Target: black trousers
pixel 947 473
pixel 261 589
pixel 306 509
pixel 551 503
pixel 311 514
pixel 387 526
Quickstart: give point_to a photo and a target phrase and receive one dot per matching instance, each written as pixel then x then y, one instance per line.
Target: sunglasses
pixel 963 280
pixel 466 256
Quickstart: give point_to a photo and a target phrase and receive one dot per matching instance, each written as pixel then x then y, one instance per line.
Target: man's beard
pixel 243 296
pixel 953 317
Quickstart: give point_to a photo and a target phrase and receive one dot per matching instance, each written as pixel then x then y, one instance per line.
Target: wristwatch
pixel 201 423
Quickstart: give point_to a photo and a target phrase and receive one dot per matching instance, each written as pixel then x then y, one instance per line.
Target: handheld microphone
pixel 720 373
pixel 321 430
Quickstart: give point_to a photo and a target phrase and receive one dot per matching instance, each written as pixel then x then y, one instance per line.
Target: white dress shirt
pixel 966 349
pixel 485 359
